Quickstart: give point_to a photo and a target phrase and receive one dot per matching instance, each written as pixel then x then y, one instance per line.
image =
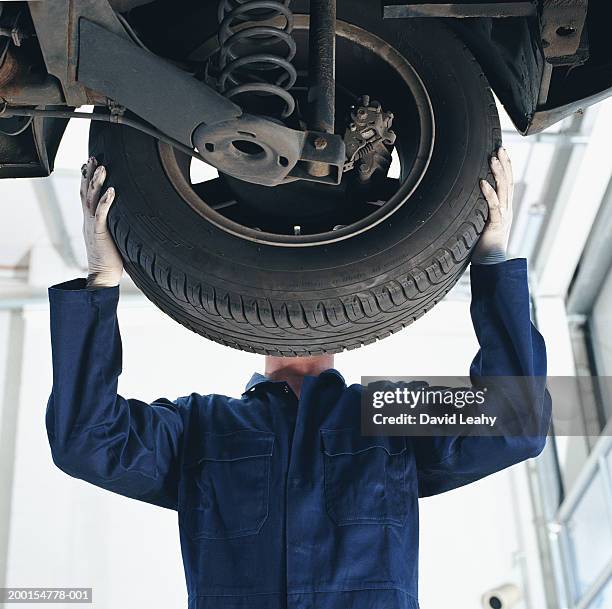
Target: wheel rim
pixel 214 199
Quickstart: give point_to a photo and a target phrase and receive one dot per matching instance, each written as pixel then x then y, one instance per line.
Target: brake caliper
pixel 369 139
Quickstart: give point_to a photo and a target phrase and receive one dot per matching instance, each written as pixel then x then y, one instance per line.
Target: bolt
pixel 353 127
pixel 320 143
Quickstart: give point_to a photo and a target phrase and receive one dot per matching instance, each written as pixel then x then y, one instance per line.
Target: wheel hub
pixel 365 198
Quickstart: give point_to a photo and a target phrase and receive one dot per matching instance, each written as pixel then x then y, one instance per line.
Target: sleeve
pixel 510 346
pixel 125 446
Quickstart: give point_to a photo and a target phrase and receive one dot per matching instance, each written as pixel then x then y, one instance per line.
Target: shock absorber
pixel 256 50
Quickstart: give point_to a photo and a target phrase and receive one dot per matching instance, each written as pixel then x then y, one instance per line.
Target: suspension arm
pixel 169 98
pixel 111 67
pixel 196 115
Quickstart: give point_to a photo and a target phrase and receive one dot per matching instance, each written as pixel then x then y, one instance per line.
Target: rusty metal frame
pixel 56 25
pixel 562 23
pixel 461 10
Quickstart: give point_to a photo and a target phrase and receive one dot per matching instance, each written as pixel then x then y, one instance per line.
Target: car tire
pixel 290 301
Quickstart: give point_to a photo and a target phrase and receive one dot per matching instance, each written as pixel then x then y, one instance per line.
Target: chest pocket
pixel 225 489
pixel 365 478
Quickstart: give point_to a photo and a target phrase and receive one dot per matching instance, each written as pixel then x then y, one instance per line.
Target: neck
pixel 292 370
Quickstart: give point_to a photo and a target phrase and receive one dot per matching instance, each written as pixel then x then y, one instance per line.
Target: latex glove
pixel 493 243
pixel 103 258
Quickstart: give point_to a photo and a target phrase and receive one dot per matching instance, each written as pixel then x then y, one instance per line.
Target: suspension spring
pixel 251 32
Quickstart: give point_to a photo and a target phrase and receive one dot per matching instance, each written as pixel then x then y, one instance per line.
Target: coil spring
pixel 248 23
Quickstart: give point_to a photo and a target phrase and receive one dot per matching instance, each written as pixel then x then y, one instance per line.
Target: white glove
pixel 493 243
pixel 103 258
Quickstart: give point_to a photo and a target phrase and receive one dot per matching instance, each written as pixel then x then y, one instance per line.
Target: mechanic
pixel 281 501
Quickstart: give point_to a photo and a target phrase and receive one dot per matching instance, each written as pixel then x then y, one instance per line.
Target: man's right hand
pixel 103 258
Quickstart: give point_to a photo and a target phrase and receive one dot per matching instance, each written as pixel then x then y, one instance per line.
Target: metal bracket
pixel 56 25
pixel 266 153
pixel 562 25
pixel 460 10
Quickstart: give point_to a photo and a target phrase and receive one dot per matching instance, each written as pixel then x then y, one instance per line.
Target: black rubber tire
pixel 301 301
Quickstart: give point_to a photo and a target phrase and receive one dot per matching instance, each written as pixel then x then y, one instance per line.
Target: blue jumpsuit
pixel 261 482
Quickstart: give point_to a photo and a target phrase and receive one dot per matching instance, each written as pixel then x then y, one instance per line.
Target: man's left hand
pixel 493 242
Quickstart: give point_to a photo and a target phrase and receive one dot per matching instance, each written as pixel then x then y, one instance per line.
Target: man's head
pixel 281 368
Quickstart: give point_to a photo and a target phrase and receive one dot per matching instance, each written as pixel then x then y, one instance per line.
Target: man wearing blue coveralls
pixel 282 503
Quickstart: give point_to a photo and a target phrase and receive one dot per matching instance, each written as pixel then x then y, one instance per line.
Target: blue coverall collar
pixel 257 380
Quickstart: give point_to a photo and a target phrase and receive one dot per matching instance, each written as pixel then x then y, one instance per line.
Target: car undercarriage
pixel 347 140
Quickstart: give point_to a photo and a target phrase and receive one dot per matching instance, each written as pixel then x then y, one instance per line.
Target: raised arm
pixel 126 446
pixel 510 346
